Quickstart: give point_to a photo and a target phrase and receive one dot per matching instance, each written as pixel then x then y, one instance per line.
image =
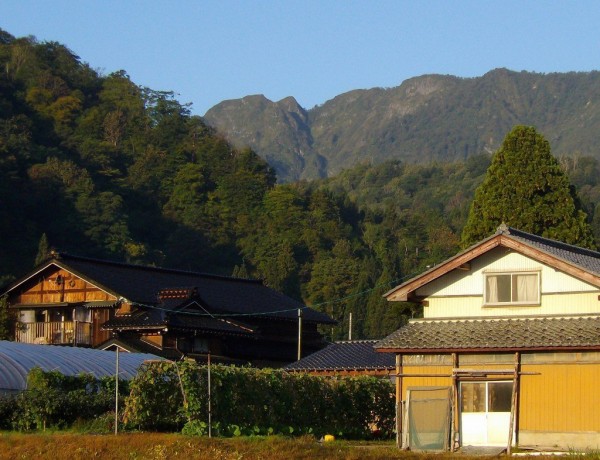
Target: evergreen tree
pixel 43 250
pixel 241 271
pixel 526 188
pixel 7 320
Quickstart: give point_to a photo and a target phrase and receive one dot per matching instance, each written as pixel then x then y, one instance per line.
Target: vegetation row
pixel 174 397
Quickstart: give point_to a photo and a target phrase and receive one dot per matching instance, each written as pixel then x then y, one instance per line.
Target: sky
pixel 210 51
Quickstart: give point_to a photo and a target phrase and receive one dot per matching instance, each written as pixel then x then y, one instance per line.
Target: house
pixel 347 358
pixel 78 301
pixel 508 350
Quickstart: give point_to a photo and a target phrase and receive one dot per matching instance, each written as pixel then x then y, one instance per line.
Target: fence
pixel 55 332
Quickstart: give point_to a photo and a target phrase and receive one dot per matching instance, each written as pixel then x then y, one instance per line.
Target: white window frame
pixel 512 273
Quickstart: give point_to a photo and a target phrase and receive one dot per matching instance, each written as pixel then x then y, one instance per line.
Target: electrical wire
pixel 274 312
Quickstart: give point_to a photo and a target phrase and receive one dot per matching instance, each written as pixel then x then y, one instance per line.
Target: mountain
pixel 427 118
pixel 280 130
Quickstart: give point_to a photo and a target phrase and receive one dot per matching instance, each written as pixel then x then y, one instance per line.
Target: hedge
pixel 244 400
pixel 169 396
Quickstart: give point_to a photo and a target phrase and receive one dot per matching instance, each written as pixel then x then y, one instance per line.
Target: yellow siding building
pixel 508 351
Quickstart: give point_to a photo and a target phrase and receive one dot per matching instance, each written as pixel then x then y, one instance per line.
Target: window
pixel 512 288
pixel 486 396
pixel 200 345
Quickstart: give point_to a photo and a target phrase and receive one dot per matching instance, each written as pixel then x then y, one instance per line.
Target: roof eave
pixel 134 328
pixel 430 351
pixel 343 369
pixel 552 260
pixel 405 292
pixel 58 263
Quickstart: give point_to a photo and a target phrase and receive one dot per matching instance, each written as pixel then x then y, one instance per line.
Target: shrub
pixel 248 401
pixel 55 400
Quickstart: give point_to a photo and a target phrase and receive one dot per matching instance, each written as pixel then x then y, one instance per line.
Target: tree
pixel 7 320
pixel 333 278
pixel 43 250
pixel 526 188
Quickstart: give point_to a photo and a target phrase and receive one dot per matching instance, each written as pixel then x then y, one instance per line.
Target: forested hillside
pixel 427 118
pixel 98 166
pixel 104 167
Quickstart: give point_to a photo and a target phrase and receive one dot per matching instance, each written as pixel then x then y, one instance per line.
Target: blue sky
pixel 210 51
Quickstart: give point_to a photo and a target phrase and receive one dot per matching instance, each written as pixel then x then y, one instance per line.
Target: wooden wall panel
pixel 564 397
pixel 425 381
pixel 552 304
pixel 99 317
pixel 70 289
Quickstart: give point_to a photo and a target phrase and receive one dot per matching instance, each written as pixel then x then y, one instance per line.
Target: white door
pixel 485 413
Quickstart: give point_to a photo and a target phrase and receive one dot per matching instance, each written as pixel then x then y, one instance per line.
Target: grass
pixel 58 446
pixel 168 446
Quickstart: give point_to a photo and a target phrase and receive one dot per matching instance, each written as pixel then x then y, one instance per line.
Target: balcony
pixel 77 333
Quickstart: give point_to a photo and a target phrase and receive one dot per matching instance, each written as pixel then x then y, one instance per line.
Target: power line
pixel 273 312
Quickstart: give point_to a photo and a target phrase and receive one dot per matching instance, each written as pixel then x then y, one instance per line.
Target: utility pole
pixel 299 333
pixel 117 393
pixel 209 401
pixel 350 327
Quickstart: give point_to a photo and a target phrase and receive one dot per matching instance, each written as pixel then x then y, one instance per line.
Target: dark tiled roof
pixel 495 334
pixel 134 344
pixel 136 320
pixel 149 318
pixel 351 355
pixel 223 295
pixel 584 258
pixel 277 353
pixel 209 324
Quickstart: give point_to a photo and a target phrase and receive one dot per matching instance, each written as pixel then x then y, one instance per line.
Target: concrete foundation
pixel 579 441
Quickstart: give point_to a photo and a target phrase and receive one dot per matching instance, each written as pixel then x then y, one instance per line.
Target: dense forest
pixel 98 166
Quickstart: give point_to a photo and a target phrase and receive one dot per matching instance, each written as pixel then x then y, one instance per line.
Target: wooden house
pixel 508 350
pixel 70 300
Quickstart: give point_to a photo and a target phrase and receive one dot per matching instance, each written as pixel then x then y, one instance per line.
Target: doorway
pixel 485 413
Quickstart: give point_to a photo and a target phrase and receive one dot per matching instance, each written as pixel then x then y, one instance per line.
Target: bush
pixel 7 410
pixel 155 401
pixel 58 401
pixel 248 401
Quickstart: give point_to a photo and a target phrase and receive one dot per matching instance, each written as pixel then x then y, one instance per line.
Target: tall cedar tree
pixel 526 188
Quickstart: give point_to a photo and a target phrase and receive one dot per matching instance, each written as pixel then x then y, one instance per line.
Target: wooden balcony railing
pixel 55 333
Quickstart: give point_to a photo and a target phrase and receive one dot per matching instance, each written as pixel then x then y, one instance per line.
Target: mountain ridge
pixel 427 118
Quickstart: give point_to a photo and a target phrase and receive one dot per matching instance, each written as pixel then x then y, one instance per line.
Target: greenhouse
pixel 17 359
